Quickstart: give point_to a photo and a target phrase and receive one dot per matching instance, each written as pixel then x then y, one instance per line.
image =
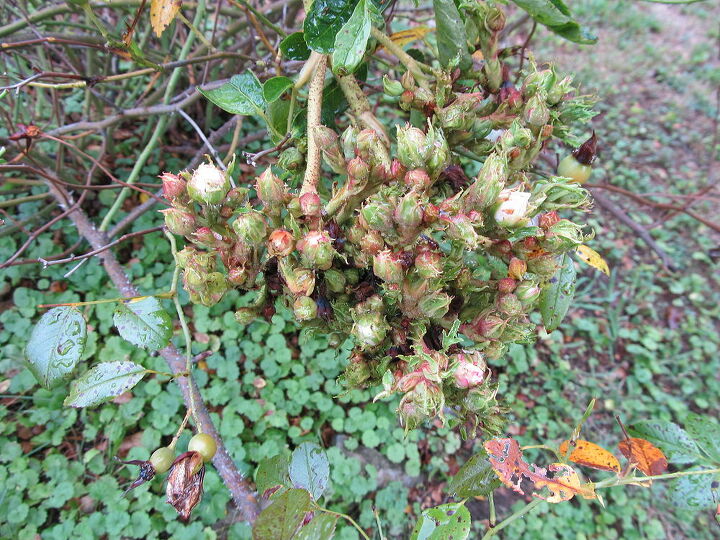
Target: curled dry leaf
pixel 648 457
pixel 590 455
pixel 162 13
pixel 506 460
pixel 185 483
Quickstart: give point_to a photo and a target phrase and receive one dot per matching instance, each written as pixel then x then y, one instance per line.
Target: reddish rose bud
pixel 317 249
pixel 430 214
pixel 490 326
pixel 173 186
pixel 548 219
pixel 546 131
pixel 388 267
pixel 509 304
pixel 429 264
pixel 418 180
pixel 506 285
pixel 310 204
pixel 358 169
pixel 371 242
pixel 280 243
pixel 207 238
pixel 517 268
pixel 470 371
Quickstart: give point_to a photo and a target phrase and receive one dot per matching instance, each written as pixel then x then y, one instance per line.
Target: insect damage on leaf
pixel 648 458
pixel 590 455
pixel 506 459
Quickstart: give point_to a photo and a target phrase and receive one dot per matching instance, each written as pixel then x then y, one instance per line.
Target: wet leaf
pixel 321 527
pixel 294 47
pixel 592 258
pixel 272 472
pixel 162 13
pixel 351 40
pixel 555 15
pixel 309 469
pixel 443 522
pixel 674 441
pixel 590 455
pixel 475 478
pixel 275 87
pixel 56 344
pixel 693 492
pixel 324 21
pixel 649 458
pixel 104 382
pixel 451 37
pixel 283 517
pixel 506 459
pixel 243 94
pixel 706 434
pixel 144 323
pixel 557 294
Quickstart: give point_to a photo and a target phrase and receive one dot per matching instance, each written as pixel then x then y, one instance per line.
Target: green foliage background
pixel 645 343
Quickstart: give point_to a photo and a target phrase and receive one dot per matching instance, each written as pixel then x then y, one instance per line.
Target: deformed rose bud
pixel 378 215
pixel 208 185
pixel 327 140
pixel 538 81
pixel 251 227
pixel 490 181
pixel 173 186
pixel 357 371
pixel 291 159
pixel 412 147
pixel 335 280
pixel 424 401
pixel 317 249
pixel 435 306
pixel 280 243
pixel 509 304
pixel 548 219
pixel 388 267
pixel 179 221
pixel 409 213
pixel 270 189
pixel 513 208
pixel 471 370
pixel 536 112
pixel 371 242
pixel 310 204
pixel 206 238
pixel 305 308
pixel 185 483
pixel 300 281
pixel 517 268
pixel 418 180
pixel 506 285
pixel 370 329
pixel 428 264
pixel 528 293
pixel 391 87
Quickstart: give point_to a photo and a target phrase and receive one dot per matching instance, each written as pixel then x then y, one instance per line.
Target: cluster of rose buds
pixel 403 241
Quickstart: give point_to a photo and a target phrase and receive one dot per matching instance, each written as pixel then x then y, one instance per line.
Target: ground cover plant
pixel 367 278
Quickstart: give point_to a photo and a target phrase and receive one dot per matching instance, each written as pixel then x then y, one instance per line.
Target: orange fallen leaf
pixel 649 458
pixel 505 456
pixel 590 455
pixel 162 13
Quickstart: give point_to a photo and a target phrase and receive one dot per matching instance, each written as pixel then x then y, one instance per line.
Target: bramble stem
pixel 614 481
pixel 168 294
pixel 508 520
pixel 314 113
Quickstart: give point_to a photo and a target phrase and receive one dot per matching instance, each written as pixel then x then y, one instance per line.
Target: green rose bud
pixel 378 215
pixel 179 221
pixel 428 264
pixel 317 250
pixel 251 227
pixel 291 159
pixel 391 87
pixel 536 112
pixel 388 267
pixel 208 185
pixel 246 315
pixel 305 308
pixel 435 306
pixel 412 147
pixel 335 281
pixel 438 152
pixel 270 189
pixel 409 213
pixel 508 304
pixel 490 181
pixel 349 142
pixel 327 140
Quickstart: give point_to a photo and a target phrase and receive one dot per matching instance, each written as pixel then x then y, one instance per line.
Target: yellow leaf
pixel 565 484
pixel 593 258
pixel 162 13
pixel 590 455
pixel 408 36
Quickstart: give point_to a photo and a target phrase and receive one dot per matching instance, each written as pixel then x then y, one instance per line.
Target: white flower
pixel 208 185
pixel 512 209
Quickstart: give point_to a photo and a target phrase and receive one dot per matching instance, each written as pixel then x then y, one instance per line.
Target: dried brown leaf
pixel 162 13
pixel 648 457
pixel 185 483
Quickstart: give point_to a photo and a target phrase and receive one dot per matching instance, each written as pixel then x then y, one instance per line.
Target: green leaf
pixel 103 382
pixel 144 323
pixel 442 522
pixel 674 441
pixel 294 47
pixel 322 527
pixel 475 478
pixel 283 517
pixel 555 15
pixel 275 87
pixel 272 472
pixel 56 344
pixel 243 94
pixel 557 295
pixel 351 40
pixel 277 117
pixel 324 21
pixel 693 492
pixel 309 469
pixel 706 434
pixel 451 37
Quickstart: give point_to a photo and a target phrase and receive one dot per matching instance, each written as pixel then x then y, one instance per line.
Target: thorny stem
pixel 314 112
pixel 415 67
pixel 508 520
pixel 183 325
pixel 344 516
pixel 361 109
